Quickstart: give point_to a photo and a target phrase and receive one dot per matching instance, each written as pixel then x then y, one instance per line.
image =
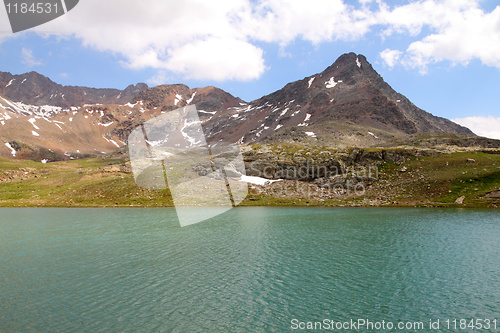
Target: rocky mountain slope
pixel 348 92
pixel 348 104
pixel 34 93
pixel 94 129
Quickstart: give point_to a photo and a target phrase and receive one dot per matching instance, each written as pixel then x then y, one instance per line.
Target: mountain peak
pixel 349 68
pixel 349 60
pixel 348 91
pixel 168 97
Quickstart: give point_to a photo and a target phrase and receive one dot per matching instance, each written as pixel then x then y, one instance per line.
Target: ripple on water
pixel 251 269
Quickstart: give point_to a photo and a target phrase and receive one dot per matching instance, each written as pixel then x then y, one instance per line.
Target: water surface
pixel 248 270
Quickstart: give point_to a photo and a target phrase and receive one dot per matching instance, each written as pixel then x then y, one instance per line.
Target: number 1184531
pixel 38 8
pixel 474 324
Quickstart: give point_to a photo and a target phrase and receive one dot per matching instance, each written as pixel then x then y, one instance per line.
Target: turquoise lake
pixel 252 269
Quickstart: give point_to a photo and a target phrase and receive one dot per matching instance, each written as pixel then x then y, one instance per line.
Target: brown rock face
pixel 349 90
pixel 35 89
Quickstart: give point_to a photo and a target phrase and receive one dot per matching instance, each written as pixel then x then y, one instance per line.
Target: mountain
pixel 40 132
pixel 348 92
pixel 348 104
pixel 33 92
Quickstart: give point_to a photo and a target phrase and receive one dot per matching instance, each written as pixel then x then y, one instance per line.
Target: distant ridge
pixel 35 89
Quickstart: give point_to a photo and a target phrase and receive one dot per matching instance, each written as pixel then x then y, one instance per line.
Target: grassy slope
pixel 87 182
pixel 440 180
pixel 427 181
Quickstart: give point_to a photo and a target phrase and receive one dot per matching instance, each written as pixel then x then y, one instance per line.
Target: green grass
pixel 428 181
pixel 74 183
pixel 446 177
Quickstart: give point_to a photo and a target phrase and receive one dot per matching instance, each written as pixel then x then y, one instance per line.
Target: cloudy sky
pixel 444 55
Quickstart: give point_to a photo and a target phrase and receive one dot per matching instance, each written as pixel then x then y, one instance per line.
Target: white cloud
pixel 220 39
pixel 390 56
pixel 29 59
pixel 461 32
pixel 316 21
pixel 161 77
pixel 206 40
pixel 194 38
pixel 483 126
pixel 218 59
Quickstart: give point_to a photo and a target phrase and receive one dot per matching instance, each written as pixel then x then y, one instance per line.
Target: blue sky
pixel 444 55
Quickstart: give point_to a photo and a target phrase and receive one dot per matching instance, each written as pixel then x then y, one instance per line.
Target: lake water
pixel 248 270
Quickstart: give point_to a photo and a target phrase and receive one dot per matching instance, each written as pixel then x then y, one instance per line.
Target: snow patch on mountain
pixel 331 83
pixel 130 105
pixel 178 98
pixel 32 121
pixel 304 123
pixel 191 99
pixel 13 151
pixel 114 142
pixel 105 125
pixel 310 82
pixel 311 134
pixel 258 180
pixel 32 110
pixel 190 139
